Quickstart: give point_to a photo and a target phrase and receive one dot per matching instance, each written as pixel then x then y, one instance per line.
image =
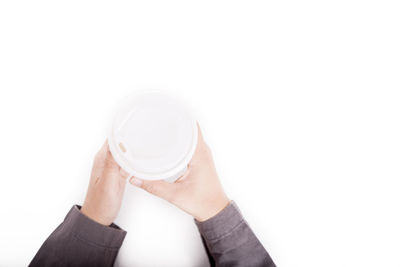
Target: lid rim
pixel 153 176
pixel 170 172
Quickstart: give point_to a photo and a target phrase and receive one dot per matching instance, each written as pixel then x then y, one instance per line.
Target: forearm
pixel 79 241
pixel 231 242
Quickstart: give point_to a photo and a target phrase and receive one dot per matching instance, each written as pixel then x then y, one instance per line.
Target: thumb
pixel 159 188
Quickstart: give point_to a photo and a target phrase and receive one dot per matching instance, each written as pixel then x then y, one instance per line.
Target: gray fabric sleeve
pixel 80 241
pixel 230 241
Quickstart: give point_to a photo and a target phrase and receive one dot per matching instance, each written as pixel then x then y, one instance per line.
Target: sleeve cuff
pixel 221 224
pixel 92 232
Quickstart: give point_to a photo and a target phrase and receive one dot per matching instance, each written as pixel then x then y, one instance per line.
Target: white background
pixel 299 101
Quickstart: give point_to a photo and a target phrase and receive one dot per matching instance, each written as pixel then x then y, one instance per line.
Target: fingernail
pixel 136 181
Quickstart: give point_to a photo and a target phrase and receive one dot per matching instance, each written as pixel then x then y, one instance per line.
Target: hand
pixel 106 188
pixel 198 192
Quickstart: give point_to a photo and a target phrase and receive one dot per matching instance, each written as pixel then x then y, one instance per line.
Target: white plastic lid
pixel 153 136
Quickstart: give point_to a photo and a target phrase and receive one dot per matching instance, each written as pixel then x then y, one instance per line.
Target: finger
pixel 110 162
pixel 159 188
pixel 104 161
pixel 184 176
pixel 199 133
pixel 101 154
pixel 123 173
pixel 200 148
pixel 98 162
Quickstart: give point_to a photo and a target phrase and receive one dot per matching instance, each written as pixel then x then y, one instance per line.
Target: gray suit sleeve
pixel 80 241
pixel 230 242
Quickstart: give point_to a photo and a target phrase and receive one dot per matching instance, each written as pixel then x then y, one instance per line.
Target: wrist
pixel 94 216
pixel 214 207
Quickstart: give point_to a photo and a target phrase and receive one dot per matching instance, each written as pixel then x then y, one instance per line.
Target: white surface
pixel 153 135
pixel 299 101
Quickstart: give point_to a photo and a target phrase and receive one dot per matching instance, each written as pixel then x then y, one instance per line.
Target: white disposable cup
pixel 153 136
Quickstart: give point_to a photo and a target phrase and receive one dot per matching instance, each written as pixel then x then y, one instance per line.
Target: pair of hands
pixel 198 192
